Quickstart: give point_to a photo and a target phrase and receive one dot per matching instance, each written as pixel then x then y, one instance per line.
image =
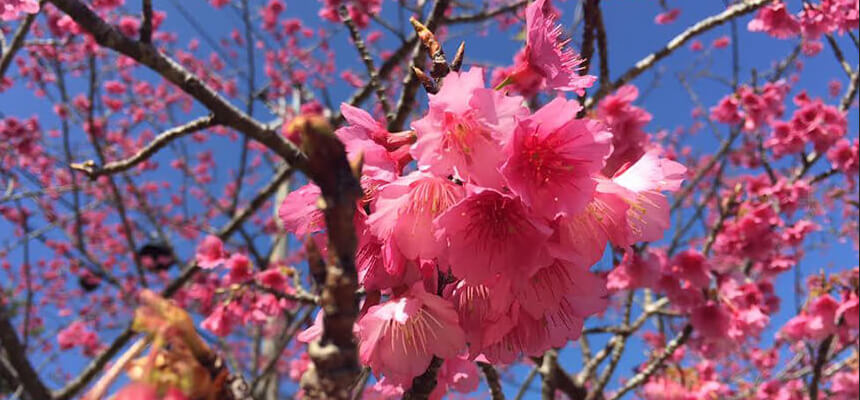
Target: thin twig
pixel 8 52
pixel 95 366
pixel 656 363
pixel 411 82
pixel 163 139
pixel 492 381
pixel 485 15
pixel 146 26
pixel 358 42
pixel 696 29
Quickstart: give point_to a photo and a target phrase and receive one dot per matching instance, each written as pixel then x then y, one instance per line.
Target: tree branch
pixel 146 54
pixel 696 29
pixel 656 363
pixel 145 153
pixel 492 381
pixel 411 82
pixel 485 15
pixel 27 376
pixel 358 42
pixel 17 41
pixel 146 26
pixel 95 366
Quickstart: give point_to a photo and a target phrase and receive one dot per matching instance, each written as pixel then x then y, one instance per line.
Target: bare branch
pixel 411 82
pixel 424 384
pixel 146 54
pixel 358 42
pixel 655 364
pixel 74 386
pixel 698 28
pixel 821 359
pixel 17 41
pixel 492 381
pixel 146 26
pixel 145 153
pixel 27 376
pixel 485 15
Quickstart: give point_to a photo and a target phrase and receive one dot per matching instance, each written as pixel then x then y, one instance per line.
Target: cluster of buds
pixel 440 67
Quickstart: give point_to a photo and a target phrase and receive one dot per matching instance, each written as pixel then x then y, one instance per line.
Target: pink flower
pixel 465 128
pixel 582 238
pixel 626 122
pixel 696 45
pixel 545 53
pixel 845 156
pixel 711 320
pixel 77 334
pixel 663 388
pixel 545 291
pixel 400 337
pixel 366 136
pixel 379 262
pixel 486 233
pixel 822 317
pixel 210 253
pixel 727 111
pixel 483 311
pixel 273 278
pixel 406 208
pixel 690 266
pixel 640 186
pixel 667 17
pixel 458 374
pixel 299 211
pixel 533 336
pixel 240 268
pixel 552 158
pixel 845 385
pixel 221 321
pixel 635 271
pixel 9 9
pixel 721 42
pixel 776 21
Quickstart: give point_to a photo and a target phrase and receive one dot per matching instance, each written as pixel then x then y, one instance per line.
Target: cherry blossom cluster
pixel 811 23
pixel 475 241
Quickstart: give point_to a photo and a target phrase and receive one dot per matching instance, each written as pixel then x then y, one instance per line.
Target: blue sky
pixel 631 34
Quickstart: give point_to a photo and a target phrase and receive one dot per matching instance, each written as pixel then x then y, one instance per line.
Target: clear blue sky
pixel 631 34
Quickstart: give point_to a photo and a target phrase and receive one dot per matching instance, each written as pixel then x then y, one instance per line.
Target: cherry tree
pixel 196 210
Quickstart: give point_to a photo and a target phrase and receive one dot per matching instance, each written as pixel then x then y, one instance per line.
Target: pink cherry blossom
pixel 210 253
pixel 406 208
pixel 691 266
pixel 240 268
pixel 634 271
pixel 667 17
pixel 641 186
pixel 545 53
pixel 78 334
pixel 458 374
pixel 711 320
pixel 775 20
pixel 626 122
pixel 484 233
pixel 9 9
pixel 483 311
pixel 465 128
pixel 849 310
pixel 399 338
pixel 552 157
pixel 368 137
pixel 300 213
